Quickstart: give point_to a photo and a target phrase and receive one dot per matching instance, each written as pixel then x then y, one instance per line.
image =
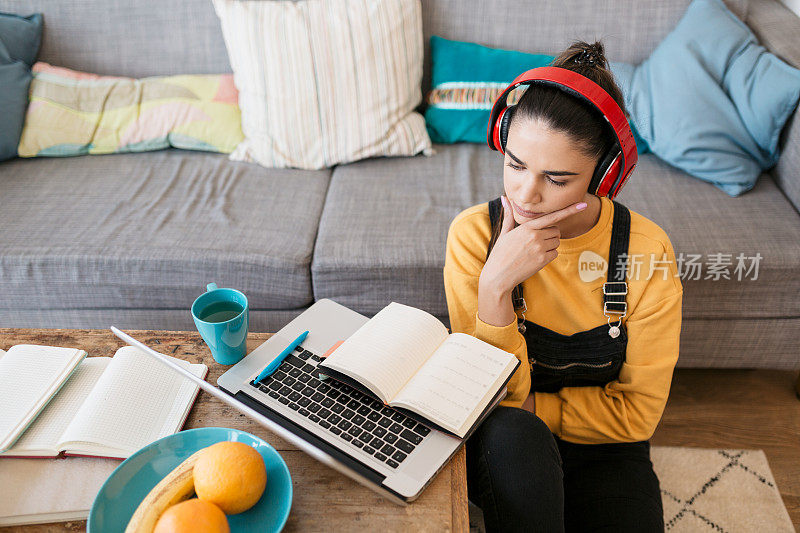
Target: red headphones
pixel 616 166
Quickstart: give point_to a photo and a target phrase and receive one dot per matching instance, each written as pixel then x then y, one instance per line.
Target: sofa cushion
pixel 151 230
pixel 306 107
pixel 384 226
pixel 711 100
pixel 383 229
pixel 79 113
pixel 20 38
pixel 467 78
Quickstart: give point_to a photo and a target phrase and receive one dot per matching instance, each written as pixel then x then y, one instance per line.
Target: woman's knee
pixel 511 431
pixel 504 422
pixel 514 472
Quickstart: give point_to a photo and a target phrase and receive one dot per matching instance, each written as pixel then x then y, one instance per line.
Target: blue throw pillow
pixel 20 38
pixel 466 79
pixel 711 101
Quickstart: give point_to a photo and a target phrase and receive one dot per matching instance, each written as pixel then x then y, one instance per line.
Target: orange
pixel 231 475
pixel 192 516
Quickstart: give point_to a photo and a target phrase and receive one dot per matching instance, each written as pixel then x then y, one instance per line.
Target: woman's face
pixel 543 171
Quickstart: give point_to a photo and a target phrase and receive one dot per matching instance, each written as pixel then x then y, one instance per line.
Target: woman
pixel 568 448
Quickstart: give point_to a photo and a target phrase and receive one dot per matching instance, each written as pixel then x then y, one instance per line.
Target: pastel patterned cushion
pixel 77 113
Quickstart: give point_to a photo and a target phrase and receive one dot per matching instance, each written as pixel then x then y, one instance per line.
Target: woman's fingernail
pixel 581 205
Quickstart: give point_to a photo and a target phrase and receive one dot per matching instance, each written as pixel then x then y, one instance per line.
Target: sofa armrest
pixel 778 29
pixel 787 171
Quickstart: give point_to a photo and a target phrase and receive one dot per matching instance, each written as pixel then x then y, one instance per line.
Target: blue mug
pixel 221 317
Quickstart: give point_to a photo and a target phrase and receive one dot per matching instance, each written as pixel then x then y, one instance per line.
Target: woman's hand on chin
pixel 521 251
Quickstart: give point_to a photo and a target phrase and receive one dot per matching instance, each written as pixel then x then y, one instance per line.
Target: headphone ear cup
pixel 602 180
pixel 505 123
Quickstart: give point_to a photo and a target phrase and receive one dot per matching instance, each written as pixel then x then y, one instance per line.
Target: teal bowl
pixel 130 482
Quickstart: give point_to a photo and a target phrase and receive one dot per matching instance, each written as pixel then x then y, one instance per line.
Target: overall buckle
pixel 618 287
pixel 615 288
pixel 613 330
pixel 624 311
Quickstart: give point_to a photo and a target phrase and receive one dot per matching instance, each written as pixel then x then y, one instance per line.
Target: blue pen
pixel 278 360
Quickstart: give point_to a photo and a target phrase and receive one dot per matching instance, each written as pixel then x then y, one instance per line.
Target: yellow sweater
pixel 624 410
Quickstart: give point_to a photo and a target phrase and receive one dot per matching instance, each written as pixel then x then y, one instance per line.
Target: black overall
pixel 523 476
pixel 591 357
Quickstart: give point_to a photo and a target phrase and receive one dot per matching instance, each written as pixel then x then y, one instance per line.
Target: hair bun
pixel 590 54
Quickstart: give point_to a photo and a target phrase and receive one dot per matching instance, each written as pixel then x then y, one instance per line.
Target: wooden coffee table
pixel 323 498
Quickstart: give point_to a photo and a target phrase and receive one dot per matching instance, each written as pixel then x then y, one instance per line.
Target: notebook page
pixel 45 431
pixel 387 350
pixel 29 376
pixel 136 401
pixel 36 491
pixel 457 382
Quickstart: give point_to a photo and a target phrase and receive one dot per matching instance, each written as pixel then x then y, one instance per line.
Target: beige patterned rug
pixel 704 489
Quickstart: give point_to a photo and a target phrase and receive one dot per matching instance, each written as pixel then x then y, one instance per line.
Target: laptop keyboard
pixel 380 431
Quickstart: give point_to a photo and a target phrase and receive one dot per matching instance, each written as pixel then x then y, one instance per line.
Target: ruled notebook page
pixel 136 401
pixel 386 351
pixel 29 376
pixel 45 431
pixel 459 380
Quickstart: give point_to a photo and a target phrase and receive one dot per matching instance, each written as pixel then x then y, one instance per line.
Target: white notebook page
pixel 46 429
pixel 136 401
pixel 29 376
pixel 458 381
pixel 387 350
pixel 36 491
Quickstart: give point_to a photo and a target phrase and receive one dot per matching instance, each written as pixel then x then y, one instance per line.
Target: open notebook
pixel 406 358
pixel 66 403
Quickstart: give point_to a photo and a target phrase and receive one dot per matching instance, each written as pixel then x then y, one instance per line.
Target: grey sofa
pixel 132 239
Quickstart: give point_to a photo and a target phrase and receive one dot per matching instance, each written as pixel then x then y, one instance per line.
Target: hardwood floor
pixel 716 408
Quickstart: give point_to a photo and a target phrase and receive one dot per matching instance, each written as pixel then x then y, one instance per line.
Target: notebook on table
pixel 58 402
pixel 406 358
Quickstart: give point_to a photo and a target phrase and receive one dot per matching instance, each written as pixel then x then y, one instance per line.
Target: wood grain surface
pixel 324 499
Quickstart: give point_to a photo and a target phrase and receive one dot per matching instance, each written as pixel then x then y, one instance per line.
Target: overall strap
pixel 616 288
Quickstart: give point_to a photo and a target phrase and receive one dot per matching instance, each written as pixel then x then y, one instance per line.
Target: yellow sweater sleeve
pixel 461 273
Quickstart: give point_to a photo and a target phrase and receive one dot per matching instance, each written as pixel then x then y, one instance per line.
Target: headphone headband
pixel 614 168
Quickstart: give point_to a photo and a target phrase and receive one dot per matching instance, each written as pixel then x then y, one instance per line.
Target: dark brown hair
pixel 563 112
pixel 566 113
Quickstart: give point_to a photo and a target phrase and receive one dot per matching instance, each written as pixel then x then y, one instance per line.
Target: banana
pixel 176 487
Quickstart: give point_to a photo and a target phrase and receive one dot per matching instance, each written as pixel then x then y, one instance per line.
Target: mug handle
pixel 211 287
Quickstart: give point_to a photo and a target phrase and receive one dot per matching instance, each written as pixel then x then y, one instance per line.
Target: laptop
pixel 365 440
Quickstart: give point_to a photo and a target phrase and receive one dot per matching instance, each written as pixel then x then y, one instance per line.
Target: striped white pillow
pixel 326 82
